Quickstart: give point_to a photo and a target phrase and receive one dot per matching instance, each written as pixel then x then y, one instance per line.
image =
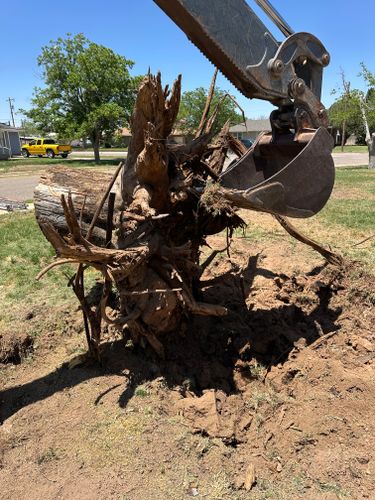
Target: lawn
pixel 351 149
pixel 352 205
pixel 30 165
pixel 24 252
pixel 90 150
pixel 346 220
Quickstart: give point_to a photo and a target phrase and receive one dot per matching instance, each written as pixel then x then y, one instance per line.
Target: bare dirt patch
pixel 273 401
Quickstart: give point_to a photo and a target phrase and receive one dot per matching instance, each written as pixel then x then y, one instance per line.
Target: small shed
pixel 10 144
pixel 250 129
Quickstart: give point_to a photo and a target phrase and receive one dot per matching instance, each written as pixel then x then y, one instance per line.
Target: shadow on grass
pixel 205 353
pixel 353 167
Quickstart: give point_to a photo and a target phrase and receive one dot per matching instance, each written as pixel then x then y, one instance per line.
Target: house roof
pixel 252 126
pixel 125 132
pixel 5 126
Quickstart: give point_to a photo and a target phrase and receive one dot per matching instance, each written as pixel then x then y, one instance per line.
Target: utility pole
pixel 11 107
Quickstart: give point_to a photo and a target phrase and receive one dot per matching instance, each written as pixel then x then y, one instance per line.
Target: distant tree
pixel 367 105
pixel 345 112
pixel 30 129
pixel 354 111
pixel 88 90
pixel 193 104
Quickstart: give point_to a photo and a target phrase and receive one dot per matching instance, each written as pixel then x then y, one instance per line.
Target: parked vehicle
pixel 45 147
pixel 247 142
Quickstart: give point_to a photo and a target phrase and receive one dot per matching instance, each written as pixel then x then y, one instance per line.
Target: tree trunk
pixel 343 136
pixel 370 138
pixel 371 151
pixel 96 146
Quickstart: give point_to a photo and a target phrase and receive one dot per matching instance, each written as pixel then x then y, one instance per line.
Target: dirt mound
pixel 276 398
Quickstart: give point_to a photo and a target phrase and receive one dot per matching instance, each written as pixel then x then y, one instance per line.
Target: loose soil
pixel 276 400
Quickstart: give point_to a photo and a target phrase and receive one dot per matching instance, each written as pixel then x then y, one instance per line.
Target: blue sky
pixel 140 31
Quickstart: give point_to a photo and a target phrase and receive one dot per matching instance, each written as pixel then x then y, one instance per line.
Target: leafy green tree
pixel 193 104
pixel 367 105
pixel 354 111
pixel 345 112
pixel 88 90
pixel 30 129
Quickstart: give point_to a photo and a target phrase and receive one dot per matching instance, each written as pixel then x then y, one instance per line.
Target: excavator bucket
pixel 289 171
pixel 284 175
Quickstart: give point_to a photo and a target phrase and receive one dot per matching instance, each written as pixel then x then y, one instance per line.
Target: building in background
pixel 177 136
pixel 250 129
pixel 10 144
pixel 125 135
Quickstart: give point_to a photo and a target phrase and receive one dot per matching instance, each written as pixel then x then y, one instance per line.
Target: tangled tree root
pixel 166 204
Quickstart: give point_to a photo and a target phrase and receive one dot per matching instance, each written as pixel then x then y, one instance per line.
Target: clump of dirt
pixel 15 346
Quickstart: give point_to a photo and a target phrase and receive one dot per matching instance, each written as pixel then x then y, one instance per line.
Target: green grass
pixel 360 177
pixel 346 220
pixel 351 149
pixel 352 214
pixel 23 253
pixel 141 392
pixel 7 166
pixel 21 239
pixel 353 203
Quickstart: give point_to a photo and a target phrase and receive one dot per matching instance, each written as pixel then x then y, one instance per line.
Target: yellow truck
pixel 45 147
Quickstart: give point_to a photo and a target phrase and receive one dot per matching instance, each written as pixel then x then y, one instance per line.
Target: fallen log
pixel 86 188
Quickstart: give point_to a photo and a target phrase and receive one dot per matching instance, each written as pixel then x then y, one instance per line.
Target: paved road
pixel 18 188
pixel 22 188
pixel 77 155
pixel 350 159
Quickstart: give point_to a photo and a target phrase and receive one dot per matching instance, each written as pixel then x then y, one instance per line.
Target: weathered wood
pixel 150 252
pixel 236 146
pixel 86 187
pixel 207 106
pixel 152 121
pixel 221 148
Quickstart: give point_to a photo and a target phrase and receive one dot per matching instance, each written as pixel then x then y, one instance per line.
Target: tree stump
pixel 160 221
pixel 167 202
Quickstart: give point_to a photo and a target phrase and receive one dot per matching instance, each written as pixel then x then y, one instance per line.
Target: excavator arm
pixel 289 171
